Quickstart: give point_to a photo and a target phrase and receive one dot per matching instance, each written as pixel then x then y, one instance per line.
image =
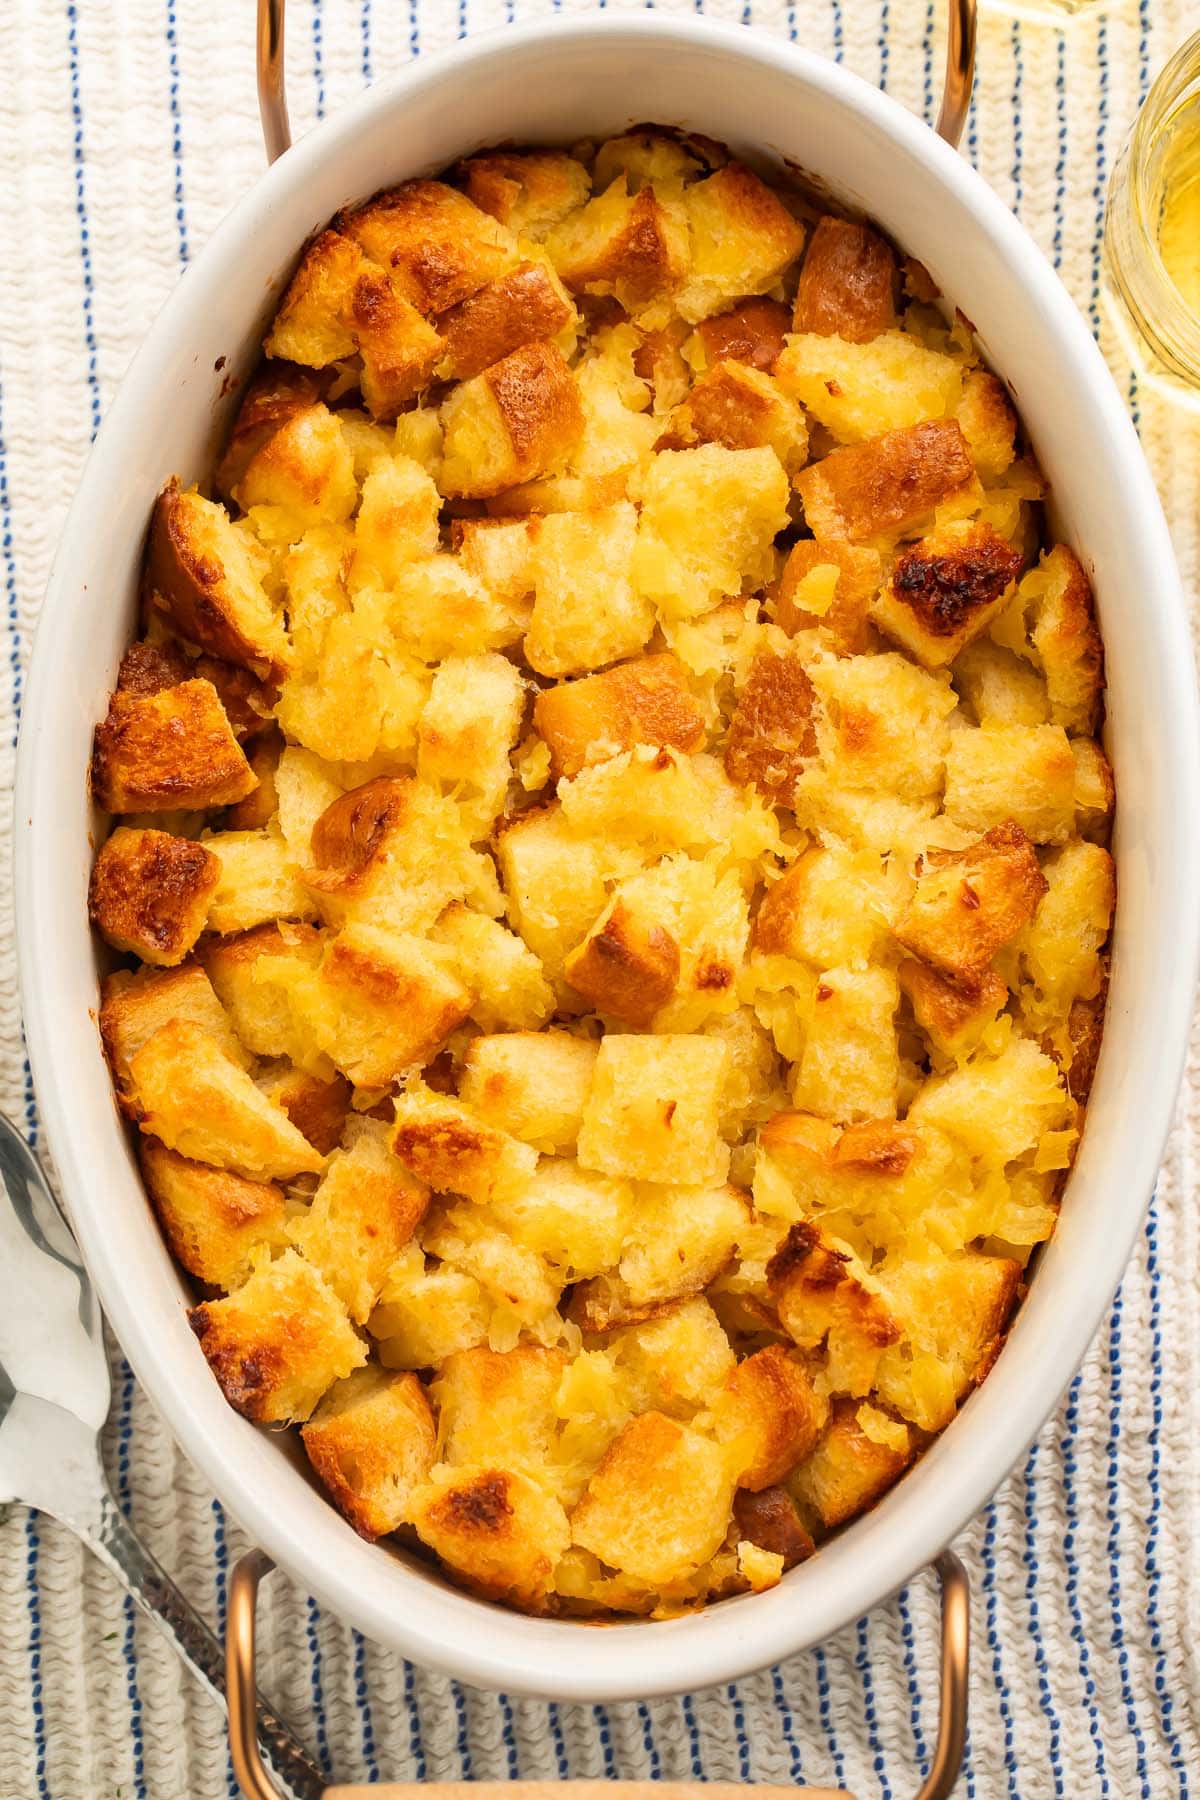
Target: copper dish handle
pixel 256 1784
pixel 277 132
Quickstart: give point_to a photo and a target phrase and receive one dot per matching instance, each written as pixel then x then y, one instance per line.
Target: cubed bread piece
pixel 1024 773
pixel 967 903
pixel 850 1064
pixel 651 154
pixel 436 245
pixel 217 1223
pixel 372 1442
pixel 438 608
pixel 882 724
pixel 279 1343
pixel 654 1109
pixel 518 420
pixel 741 407
pixel 858 391
pixel 742 240
pixel 708 524
pixel 631 245
pixel 312 325
pixel 753 333
pixel 499 1406
pixel 997 1106
pixel 769 1415
pixel 427 1313
pixel 885 484
pixel 517 308
pixel 953 1014
pixel 302 476
pixel 363 691
pixel 945 590
pixel 769 1519
pixel 1085 1030
pixel 578 1220
pixel 366 1208
pixel 831 907
pixel 133 1007
pixel 202 572
pixel 587 610
pixel 999 687
pixel 454 1150
pixel 170 751
pixel 989 423
pixel 469 725
pixel 510 989
pixel 849 1469
pixel 554 879
pixel 397 522
pixel 679 1240
pixel 830 584
pixel 646 701
pixel 193 1096
pixel 258 809
pixel 530 191
pixel 317 1105
pixel 1058 601
pixel 827 1299
pixel 501 1532
pixel 259 881
pixel 274 394
pixel 245 970
pixel 1095 791
pixel 523 1289
pixel 1060 949
pixel 771 734
pixel 953 1310
pixel 848 282
pixel 841 1169
pixel 531 1083
pixel 499 554
pixel 658 1505
pixel 381 1003
pixel 675 1361
pixel 149 893
pixel 658 800
pixel 627 966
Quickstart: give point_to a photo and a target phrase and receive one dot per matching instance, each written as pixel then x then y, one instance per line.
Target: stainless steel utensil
pixel 54 1400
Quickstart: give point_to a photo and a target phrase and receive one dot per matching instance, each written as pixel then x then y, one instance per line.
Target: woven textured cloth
pixel 126 131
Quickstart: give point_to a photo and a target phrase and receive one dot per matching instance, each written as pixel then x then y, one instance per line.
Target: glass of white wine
pixel 1152 231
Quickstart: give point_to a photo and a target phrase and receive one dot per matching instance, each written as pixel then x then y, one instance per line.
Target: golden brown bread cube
pixel 829 1161
pixel 274 394
pixel 989 423
pixel 653 1112
pixel 168 751
pixel 752 332
pixel 997 1106
pixel 279 1343
pixel 133 1007
pixel 830 907
pixel 627 965
pixel 519 419
pixel 839 579
pixel 366 1208
pixel 259 881
pixel 500 1406
pixel 1065 637
pixel 953 1310
pixel 646 701
pixel 577 1220
pixel 848 1469
pixel 825 1297
pixel 382 1002
pixel 510 990
pixel 768 1415
pixel 881 726
pixel 848 281
pixel 372 1442
pixel 530 191
pixel 1021 772
pixel 679 1240
pixel 741 407
pixel 201 572
pixel 303 476
pixel 998 687
pixel 578 556
pixel 967 903
pixel 193 1096
pixel 456 1152
pixel 887 483
pixel 499 1530
pixel 631 245
pixel 517 308
pixel 554 879
pixel 469 725
pixel 257 1004
pixel 149 893
pixel 317 1105
pixel 436 245
pixel 218 1223
pixel 658 1504
pixel 945 590
pixel 770 1520
pixel 707 527
pixel 849 1068
pixel 743 238
pixel 256 811
pixel 530 1083
pixel 312 324
pixel 953 1014
pixel 771 734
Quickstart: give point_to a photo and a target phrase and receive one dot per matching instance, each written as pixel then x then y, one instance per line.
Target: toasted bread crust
pixel 770 1520
pixel 970 902
pixel 945 590
pixel 771 734
pixel 517 308
pixel 210 600
pixel 626 967
pixel 149 893
pixel 885 483
pixel 847 285
pixel 171 749
pixel 752 332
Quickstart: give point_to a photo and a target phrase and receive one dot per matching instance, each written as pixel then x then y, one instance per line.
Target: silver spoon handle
pixel 110 1536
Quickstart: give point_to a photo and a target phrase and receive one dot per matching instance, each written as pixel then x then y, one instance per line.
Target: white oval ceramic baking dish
pixel 555 83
